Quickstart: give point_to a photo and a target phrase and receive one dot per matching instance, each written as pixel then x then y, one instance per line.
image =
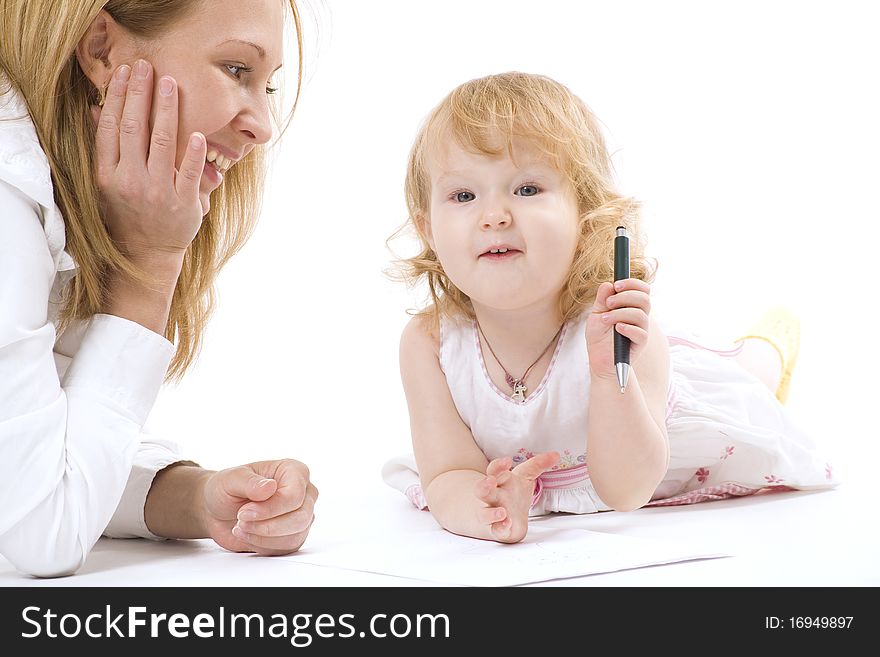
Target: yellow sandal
pixel 780 328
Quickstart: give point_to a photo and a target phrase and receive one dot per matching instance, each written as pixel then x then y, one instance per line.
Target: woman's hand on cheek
pixel 151 208
pixel 265 507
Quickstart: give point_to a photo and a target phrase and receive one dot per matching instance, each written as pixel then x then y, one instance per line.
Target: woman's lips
pixel 212 174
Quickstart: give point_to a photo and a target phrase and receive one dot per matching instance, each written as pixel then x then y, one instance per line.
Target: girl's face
pixel 223 57
pixel 505 230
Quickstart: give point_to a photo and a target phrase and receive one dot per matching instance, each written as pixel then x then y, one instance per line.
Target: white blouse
pixel 73 461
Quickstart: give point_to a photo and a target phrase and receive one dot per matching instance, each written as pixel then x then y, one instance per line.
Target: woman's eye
pixel 527 190
pixel 464 197
pixel 237 69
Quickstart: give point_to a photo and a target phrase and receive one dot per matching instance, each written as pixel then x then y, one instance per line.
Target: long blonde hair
pixel 544 111
pixel 37 55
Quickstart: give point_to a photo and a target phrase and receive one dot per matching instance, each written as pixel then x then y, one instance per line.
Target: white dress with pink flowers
pixel 728 434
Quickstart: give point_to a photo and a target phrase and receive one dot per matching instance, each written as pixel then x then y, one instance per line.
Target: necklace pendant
pixel 519 392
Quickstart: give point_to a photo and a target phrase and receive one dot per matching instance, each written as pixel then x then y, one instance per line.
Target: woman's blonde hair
pixel 521 105
pixel 37 55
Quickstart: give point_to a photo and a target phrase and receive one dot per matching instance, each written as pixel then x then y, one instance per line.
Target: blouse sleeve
pixel 66 446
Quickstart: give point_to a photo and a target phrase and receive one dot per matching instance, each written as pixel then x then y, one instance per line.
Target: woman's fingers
pixel 163 140
pixel 272 545
pixel 107 135
pixel 190 175
pixel 134 133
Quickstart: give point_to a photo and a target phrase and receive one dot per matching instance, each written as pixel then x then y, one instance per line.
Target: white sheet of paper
pixel 546 553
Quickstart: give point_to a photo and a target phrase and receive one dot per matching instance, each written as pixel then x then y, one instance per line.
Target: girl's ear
pixel 422 221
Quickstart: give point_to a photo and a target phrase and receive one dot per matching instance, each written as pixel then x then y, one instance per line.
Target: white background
pixel 749 130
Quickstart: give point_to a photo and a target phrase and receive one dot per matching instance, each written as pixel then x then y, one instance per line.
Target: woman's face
pixel 223 56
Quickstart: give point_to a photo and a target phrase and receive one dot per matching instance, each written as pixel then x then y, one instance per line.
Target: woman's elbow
pixel 49 561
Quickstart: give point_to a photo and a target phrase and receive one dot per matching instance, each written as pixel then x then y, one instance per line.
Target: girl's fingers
pixel 163 140
pixel 537 465
pixel 487 491
pixel 630 299
pixel 491 514
pixel 631 284
pixel 499 465
pixel 501 530
pixel 634 316
pixel 107 134
pixel 134 133
pixel 190 175
pixel 600 304
pixel 635 333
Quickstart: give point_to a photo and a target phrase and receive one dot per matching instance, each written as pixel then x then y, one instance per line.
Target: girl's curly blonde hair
pixel 534 107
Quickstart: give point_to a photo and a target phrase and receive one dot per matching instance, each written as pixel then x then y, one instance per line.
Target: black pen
pixel 621 271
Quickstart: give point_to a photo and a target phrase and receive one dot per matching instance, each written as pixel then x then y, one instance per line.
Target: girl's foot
pixel 780 329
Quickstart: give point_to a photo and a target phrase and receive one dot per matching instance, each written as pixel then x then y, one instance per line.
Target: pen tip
pixel 621 389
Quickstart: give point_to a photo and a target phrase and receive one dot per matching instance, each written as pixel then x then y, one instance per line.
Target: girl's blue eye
pixel 527 190
pixel 464 197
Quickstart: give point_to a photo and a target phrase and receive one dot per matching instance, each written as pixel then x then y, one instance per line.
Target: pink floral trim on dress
pixel 709 493
pixel 416 496
pixel 566 459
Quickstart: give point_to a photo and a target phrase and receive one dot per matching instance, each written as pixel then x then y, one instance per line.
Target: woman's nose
pixel 254 122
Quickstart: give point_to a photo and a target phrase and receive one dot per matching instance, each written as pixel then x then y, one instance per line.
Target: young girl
pixel 509 375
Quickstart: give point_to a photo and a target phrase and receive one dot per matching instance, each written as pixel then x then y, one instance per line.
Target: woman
pixel 131 165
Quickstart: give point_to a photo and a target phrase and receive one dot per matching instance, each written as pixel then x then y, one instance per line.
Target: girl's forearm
pixel 454 504
pixel 627 452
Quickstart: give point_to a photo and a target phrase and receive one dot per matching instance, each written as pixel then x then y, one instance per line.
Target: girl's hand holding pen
pixel 150 206
pixel 625 305
pixel 266 507
pixel 508 495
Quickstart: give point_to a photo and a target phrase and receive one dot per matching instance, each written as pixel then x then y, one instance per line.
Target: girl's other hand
pixel 151 208
pixel 508 495
pixel 626 305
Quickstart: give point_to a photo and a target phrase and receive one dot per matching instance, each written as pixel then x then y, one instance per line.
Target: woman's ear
pixel 422 221
pixel 96 51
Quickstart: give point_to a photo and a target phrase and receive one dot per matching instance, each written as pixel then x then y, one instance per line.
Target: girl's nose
pixel 496 217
